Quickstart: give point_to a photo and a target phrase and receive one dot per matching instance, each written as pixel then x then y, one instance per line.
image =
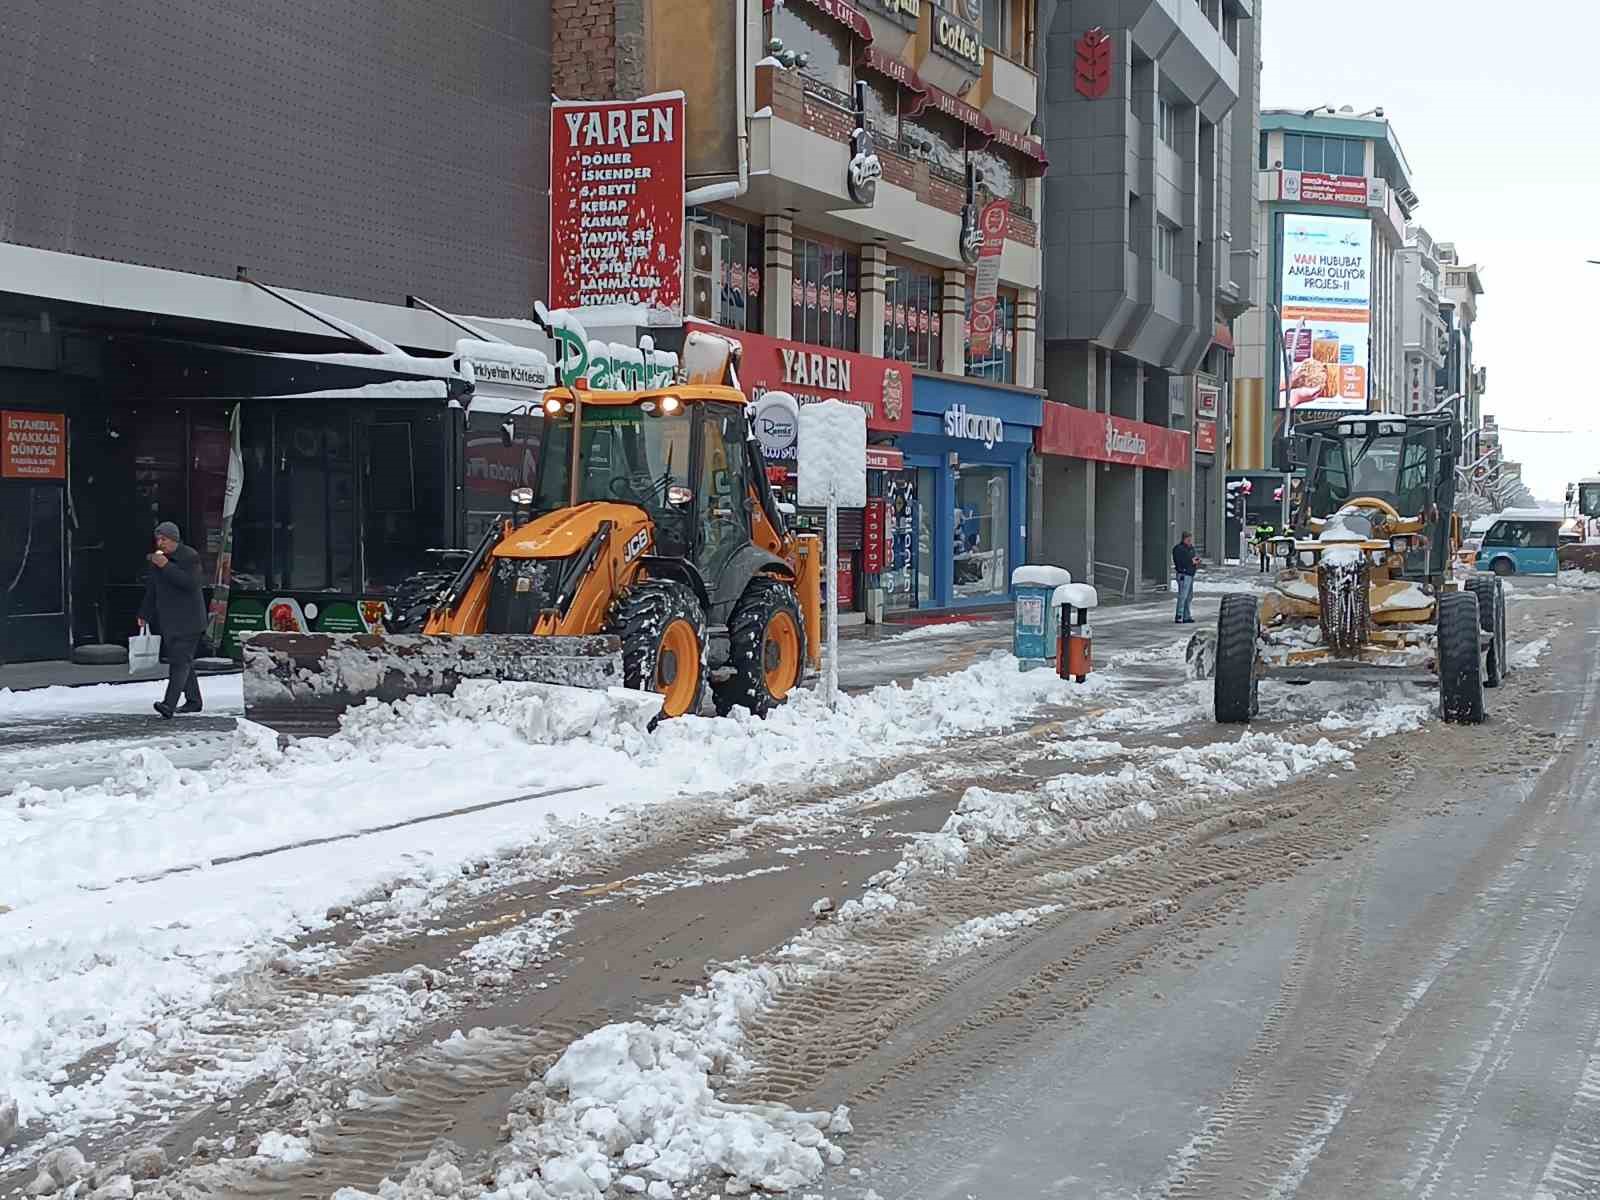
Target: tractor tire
pixel 1236 686
pixel 1460 665
pixel 766 649
pixel 413 599
pixel 663 632
pixel 1491 619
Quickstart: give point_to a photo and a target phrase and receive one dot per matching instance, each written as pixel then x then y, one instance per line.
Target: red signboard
pixel 1205 437
pixel 1079 433
pixel 33 445
pixel 847 581
pixel 1318 188
pixel 992 221
pixel 812 373
pixel 875 536
pixel 1092 74
pixel 616 204
pixel 885 458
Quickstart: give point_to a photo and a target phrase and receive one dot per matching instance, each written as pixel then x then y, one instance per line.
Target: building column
pixel 776 311
pixel 1027 335
pixel 874 271
pixel 952 317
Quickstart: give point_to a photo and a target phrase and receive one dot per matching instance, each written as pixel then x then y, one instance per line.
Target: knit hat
pixel 168 530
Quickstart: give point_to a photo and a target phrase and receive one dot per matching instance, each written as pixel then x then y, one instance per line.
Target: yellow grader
pixel 651 554
pixel 1370 584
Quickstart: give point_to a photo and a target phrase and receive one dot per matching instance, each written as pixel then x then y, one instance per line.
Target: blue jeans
pixel 1185 597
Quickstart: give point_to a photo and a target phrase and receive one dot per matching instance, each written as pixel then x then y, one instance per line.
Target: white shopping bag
pixel 144 652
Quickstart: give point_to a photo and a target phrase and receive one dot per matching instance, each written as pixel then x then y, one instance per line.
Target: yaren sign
pixel 974 427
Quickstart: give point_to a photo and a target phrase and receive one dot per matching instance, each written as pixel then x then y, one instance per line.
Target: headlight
pixel 1308 559
pixel 1402 543
pixel 522 497
pixel 1281 547
pixel 669 404
pixel 552 406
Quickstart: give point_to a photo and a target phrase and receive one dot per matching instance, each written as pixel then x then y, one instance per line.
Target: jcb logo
pixel 636 545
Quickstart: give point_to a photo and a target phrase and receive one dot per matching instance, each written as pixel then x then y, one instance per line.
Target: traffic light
pixel 1238 494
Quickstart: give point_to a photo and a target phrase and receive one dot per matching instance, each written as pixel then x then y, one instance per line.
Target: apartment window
pixel 1167 248
pixel 1329 155
pixel 1167 122
pixel 1000 364
pixel 826 295
pixel 912 298
pixel 999 27
pixel 826 43
pixel 743 261
pixel 1263 160
pixel 1230 31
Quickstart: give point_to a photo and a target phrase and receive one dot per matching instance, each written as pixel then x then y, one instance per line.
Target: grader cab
pixel 1369 585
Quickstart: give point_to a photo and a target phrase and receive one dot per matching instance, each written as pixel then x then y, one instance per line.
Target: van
pixel 1521 543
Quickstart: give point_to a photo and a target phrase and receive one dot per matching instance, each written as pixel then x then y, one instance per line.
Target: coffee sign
pixel 957 38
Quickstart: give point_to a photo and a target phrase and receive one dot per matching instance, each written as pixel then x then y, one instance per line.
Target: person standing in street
pixel 1185 561
pixel 176 606
pixel 1264 534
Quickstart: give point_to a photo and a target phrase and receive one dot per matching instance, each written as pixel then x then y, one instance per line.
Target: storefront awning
pixel 841 12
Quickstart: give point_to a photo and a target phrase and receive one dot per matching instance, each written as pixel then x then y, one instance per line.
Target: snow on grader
pixel 1370 585
pixel 651 554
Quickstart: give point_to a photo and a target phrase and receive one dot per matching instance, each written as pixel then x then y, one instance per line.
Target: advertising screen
pixel 1326 278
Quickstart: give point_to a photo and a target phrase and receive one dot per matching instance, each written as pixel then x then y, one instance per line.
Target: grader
pixel 1370 585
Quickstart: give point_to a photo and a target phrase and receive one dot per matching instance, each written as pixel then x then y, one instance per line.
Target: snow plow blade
pixel 302 683
pixel 1581 557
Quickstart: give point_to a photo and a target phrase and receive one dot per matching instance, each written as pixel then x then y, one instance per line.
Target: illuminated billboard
pixel 1325 277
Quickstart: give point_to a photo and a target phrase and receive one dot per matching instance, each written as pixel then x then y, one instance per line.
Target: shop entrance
pixel 908 583
pixel 33 573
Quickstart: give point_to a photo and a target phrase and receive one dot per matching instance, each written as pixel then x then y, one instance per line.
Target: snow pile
pixel 833 455
pixel 1529 655
pixel 1224 586
pixel 1587 581
pixel 632 1106
pixel 935 629
pixel 1039 575
pixel 970 935
pixel 1410 596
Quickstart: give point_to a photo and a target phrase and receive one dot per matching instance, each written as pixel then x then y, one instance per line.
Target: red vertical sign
pixel 992 221
pixel 616 204
pixel 875 536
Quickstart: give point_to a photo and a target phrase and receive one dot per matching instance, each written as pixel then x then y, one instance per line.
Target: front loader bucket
pixel 1581 557
pixel 301 683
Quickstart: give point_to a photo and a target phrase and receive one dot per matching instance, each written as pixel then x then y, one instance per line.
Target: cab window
pixel 1499 534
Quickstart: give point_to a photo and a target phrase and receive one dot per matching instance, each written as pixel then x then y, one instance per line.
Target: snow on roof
pixel 400 363
pixel 395 389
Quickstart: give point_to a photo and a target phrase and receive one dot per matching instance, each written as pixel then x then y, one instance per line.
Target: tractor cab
pixel 1397 474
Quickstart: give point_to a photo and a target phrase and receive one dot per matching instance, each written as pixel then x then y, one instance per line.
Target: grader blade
pixel 302 683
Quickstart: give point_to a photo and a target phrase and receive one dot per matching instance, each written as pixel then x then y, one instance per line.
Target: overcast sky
pixel 1500 122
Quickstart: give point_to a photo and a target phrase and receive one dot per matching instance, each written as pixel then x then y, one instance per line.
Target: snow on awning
pixel 395 389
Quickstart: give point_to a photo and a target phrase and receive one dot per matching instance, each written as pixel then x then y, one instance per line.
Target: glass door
pixel 314 542
pixel 33 573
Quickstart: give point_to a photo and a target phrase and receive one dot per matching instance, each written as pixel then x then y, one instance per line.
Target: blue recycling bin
pixel 1035 628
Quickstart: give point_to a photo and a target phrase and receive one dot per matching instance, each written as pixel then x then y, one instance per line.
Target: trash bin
pixel 1033 633
pixel 1075 656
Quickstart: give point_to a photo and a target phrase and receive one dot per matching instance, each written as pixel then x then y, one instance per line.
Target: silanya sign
pixel 959 423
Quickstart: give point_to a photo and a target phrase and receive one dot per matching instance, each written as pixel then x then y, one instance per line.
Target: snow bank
pixel 1582 580
pixel 1529 655
pixel 1224 586
pixel 935 629
pixel 970 935
pixel 138 898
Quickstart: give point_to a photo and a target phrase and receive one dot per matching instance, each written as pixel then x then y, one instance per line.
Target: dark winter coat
pixel 174 604
pixel 1183 559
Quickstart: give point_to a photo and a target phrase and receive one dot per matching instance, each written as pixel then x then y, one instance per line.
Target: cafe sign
pixel 958 39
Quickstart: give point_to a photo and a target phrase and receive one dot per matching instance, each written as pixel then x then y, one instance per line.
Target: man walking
pixel 1264 534
pixel 1185 561
pixel 176 606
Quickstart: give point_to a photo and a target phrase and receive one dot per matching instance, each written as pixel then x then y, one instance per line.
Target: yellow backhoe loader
pixel 651 554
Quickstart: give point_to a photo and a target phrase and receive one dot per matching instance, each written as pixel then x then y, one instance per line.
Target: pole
pixel 830 687
pixel 1288 414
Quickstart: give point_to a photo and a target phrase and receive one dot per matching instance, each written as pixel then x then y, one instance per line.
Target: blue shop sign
pixel 972 411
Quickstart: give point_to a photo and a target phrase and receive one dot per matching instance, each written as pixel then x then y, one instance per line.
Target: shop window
pixel 938 139
pixel 982 530
pixel 31 550
pixel 826 295
pixel 1001 177
pixel 743 262
pixel 314 536
pixel 493 468
pixel 912 296
pixel 394 529
pixel 157 444
pixel 908 583
pixel 208 487
pixel 252 519
pixel 1000 364
pixel 826 45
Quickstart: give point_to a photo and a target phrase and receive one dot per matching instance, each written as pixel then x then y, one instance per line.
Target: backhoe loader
pixel 650 554
pixel 1370 584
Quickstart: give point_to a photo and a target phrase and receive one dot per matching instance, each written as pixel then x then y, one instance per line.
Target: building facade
pixel 1335 196
pixel 1140 104
pixel 1422 328
pixel 848 262
pixel 1460 374
pixel 354 156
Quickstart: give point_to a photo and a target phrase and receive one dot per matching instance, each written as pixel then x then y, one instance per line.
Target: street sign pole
pixel 831 679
